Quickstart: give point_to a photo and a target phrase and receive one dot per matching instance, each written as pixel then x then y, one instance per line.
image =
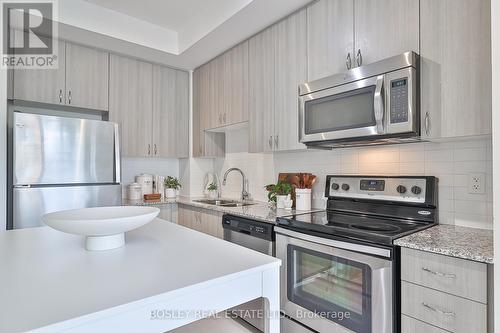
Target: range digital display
pixel 372 185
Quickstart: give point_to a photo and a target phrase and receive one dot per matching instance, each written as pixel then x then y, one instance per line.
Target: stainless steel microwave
pixel 372 104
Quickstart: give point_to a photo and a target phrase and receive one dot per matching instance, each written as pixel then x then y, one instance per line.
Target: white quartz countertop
pixel 47 277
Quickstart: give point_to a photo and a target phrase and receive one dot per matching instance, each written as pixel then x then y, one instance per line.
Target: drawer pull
pixel 446 313
pixel 445 275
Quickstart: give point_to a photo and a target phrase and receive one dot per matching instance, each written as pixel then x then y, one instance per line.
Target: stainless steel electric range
pixel 340 270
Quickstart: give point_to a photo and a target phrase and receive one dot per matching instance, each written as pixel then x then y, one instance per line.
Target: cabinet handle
pixel 276 141
pixel 149 149
pixel 359 58
pixel 60 96
pixel 427 123
pixel 271 142
pixel 446 313
pixel 348 61
pixel 69 97
pixel 445 275
pixel 155 149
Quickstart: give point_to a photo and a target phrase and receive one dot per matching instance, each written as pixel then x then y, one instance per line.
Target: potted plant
pixel 279 193
pixel 212 190
pixel 172 185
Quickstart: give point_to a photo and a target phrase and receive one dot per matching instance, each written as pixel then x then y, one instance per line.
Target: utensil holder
pixel 303 199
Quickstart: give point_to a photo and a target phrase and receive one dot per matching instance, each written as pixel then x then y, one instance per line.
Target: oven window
pixel 349 110
pixel 335 288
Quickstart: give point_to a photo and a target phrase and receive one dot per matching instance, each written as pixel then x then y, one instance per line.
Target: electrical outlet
pixel 476 183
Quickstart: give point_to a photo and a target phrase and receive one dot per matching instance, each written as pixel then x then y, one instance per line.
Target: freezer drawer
pixel 29 204
pixel 57 150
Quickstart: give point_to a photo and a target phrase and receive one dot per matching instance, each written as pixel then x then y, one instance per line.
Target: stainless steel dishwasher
pixel 258 236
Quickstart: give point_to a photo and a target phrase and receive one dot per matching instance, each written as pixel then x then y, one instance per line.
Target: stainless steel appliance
pixel 340 270
pixel 376 103
pixel 258 236
pixel 58 163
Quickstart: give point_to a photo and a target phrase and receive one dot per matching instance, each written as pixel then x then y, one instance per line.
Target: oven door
pixel 332 286
pixel 352 110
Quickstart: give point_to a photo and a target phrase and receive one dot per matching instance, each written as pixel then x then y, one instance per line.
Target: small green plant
pixel 280 188
pixel 172 182
pixel 212 187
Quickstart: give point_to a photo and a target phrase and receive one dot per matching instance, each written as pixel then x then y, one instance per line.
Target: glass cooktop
pixel 379 230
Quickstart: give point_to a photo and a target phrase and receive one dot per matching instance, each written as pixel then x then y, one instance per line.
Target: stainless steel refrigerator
pixel 59 163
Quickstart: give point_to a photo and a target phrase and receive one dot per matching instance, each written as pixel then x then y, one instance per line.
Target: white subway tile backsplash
pixel 451 162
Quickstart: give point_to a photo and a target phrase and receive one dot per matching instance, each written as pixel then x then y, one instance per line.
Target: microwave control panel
pixel 399 101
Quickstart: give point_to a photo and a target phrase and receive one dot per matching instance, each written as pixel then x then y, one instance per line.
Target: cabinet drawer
pixel 411 325
pixel 452 275
pixel 452 313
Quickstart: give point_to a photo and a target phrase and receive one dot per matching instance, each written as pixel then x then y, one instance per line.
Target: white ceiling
pixel 190 19
pixel 178 33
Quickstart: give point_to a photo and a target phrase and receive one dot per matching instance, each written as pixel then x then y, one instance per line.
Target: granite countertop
pixel 260 211
pixel 460 242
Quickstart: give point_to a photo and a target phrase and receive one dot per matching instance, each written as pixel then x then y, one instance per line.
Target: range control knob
pixel 345 187
pixel 401 189
pixel 416 190
pixel 335 186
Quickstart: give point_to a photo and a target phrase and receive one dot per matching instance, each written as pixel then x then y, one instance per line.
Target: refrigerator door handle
pixel 118 171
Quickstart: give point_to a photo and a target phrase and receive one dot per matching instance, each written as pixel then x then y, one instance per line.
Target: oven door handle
pixel 371 250
pixel 378 104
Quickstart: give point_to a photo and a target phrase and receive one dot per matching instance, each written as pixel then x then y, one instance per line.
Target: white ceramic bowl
pixel 104 227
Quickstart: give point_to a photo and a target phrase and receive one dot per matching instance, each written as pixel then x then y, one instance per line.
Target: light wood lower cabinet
pixel 441 293
pixel 199 219
pixel 168 212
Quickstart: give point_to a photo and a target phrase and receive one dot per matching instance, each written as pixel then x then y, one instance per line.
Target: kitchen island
pixel 165 276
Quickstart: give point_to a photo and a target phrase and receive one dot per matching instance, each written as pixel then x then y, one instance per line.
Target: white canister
pixel 303 199
pixel 146 182
pixel 134 191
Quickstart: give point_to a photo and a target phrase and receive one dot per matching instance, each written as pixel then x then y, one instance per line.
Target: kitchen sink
pixel 225 203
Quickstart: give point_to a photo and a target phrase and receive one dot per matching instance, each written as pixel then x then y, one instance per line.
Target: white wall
pixel 495 47
pixel 451 162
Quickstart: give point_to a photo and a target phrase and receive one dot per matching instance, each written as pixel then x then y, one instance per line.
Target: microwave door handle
pixel 378 104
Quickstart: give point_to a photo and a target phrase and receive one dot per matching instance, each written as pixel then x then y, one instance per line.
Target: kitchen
pixel 252 98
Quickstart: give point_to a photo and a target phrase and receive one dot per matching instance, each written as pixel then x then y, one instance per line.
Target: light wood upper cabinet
pixel 205 144
pixel 130 103
pixel 170 112
pixel 330 37
pixel 80 81
pixel 42 85
pixel 235 84
pixel 455 65
pixel 261 95
pixel 86 77
pixel 385 28
pixel 290 71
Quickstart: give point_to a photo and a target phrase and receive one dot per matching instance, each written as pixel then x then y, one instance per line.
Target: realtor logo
pixel 29 34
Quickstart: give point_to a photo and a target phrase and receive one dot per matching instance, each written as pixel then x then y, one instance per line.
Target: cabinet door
pixel 86 77
pixel 290 71
pixel 385 28
pixel 170 112
pixel 216 93
pixel 130 103
pixel 187 217
pixel 261 91
pixel 330 37
pixel 205 144
pixel 165 213
pixel 42 85
pixel 456 62
pixel 235 81
pixel 211 223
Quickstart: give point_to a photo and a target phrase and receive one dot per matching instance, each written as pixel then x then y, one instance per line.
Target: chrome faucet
pixel 244 193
